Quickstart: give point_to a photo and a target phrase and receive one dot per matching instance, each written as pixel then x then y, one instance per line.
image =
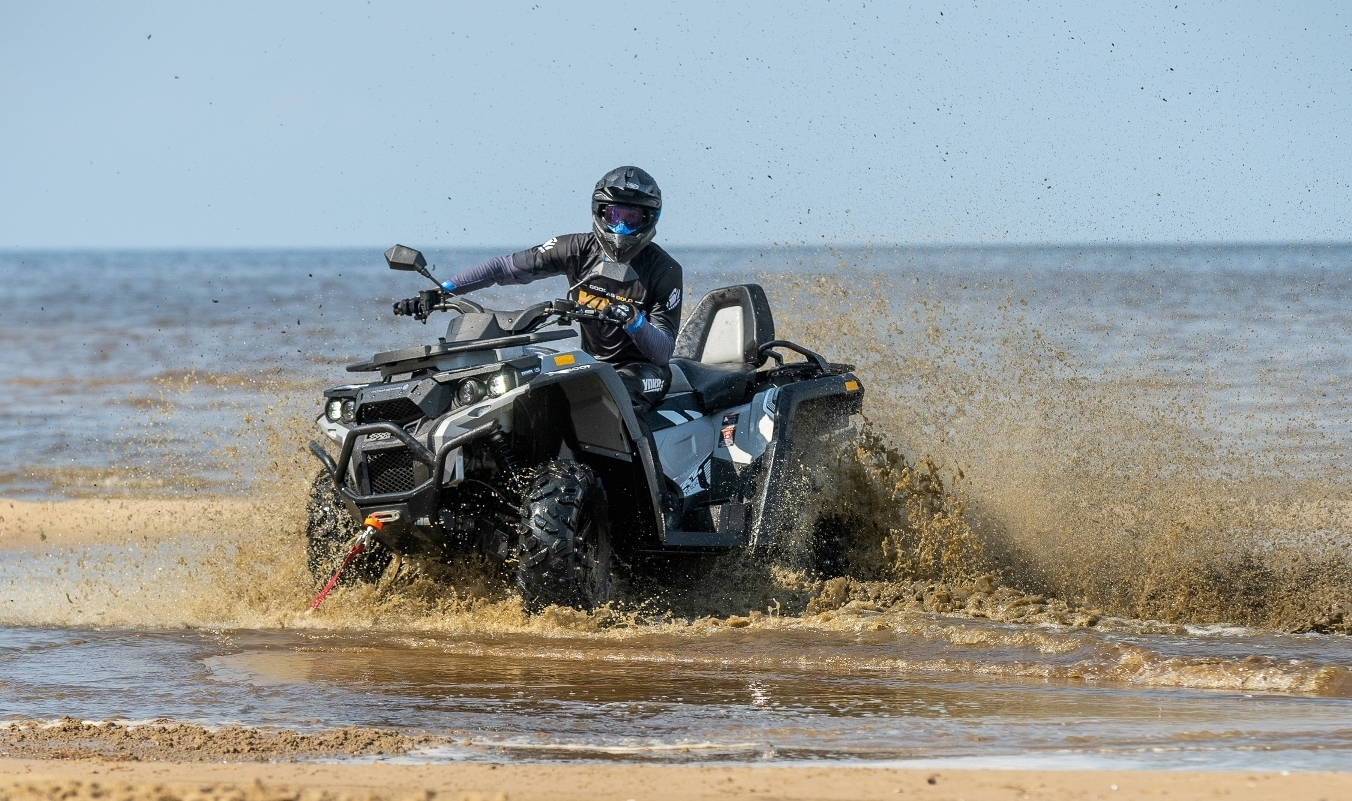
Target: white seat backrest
pixel 725 343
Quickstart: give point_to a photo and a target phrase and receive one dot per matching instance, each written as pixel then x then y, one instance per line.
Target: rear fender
pixel 832 400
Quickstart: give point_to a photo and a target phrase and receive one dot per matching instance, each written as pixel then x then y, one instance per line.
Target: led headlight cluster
pixel 344 409
pixel 469 391
pixel 503 382
pixel 473 390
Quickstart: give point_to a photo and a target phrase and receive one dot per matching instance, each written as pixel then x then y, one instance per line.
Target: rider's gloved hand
pixel 623 315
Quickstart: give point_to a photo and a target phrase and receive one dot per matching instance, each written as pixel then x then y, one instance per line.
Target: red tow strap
pixel 372 526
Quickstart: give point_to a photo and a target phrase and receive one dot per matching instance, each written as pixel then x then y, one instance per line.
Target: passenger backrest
pixel 728 326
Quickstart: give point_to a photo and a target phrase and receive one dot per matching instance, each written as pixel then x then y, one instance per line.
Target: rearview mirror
pixel 400 257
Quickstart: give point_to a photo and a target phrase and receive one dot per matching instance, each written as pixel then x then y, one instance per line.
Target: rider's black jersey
pixel 657 292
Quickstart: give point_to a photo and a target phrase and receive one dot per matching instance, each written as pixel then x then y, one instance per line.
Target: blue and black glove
pixel 624 315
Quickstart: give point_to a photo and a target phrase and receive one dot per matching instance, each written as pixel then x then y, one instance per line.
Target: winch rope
pixel 358 546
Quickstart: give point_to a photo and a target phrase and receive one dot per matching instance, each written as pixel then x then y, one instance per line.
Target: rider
pixel 642 311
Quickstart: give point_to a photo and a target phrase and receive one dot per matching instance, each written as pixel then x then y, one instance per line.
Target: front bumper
pixel 412 505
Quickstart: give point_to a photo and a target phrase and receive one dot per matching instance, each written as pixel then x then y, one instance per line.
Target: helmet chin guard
pixel 629 186
pixel 622 247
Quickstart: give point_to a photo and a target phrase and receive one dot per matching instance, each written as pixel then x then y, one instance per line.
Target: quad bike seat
pixel 718 349
pixel 716 386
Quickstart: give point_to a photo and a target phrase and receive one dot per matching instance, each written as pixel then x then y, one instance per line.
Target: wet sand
pixel 69 738
pixel 107 521
pixel 74 760
pixel 87 779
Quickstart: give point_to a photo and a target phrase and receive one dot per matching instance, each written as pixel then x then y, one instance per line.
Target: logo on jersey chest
pixel 594 297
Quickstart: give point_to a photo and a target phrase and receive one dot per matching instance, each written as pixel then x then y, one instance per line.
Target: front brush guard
pixel 436 461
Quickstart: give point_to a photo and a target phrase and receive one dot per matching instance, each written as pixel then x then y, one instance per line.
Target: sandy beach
pixel 81 779
pixel 75 760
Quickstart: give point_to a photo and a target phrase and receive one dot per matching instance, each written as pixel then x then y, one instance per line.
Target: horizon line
pixel 1200 243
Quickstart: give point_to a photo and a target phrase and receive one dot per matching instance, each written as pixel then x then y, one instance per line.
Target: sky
pixel 353 124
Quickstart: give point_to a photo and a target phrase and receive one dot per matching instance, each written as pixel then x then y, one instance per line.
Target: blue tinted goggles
pixel 624 219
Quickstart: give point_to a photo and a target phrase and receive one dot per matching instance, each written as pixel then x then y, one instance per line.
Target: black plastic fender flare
pixel 768 517
pixel 647 459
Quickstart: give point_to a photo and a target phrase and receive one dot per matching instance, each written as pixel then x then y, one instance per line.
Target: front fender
pixel 603 418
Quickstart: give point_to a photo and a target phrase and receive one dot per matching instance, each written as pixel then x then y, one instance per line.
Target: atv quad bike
pixel 496 440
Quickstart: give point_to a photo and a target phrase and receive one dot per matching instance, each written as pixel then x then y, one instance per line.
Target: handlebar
pixel 430 300
pixel 570 311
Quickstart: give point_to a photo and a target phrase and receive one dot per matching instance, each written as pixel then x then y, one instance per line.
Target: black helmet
pixel 625 208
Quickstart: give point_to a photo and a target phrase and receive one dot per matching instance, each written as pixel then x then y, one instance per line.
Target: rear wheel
pixel 564 554
pixel 329 531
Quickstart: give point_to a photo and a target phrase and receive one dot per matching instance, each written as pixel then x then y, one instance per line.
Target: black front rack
pixel 435 461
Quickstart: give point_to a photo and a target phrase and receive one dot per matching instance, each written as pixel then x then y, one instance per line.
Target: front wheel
pixel 329 531
pixel 564 554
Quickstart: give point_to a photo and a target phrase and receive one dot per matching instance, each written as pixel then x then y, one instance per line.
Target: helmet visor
pixel 624 219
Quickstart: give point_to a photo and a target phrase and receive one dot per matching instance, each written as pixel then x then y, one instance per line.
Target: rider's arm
pixel 654 343
pixel 654 332
pixel 549 259
pixel 497 270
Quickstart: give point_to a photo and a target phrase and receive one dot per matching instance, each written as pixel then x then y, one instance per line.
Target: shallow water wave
pixel 773 691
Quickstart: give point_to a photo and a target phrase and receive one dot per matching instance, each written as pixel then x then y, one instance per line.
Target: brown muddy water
pixel 857 685
pixel 1097 516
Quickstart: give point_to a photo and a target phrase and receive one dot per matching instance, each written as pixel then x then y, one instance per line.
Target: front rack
pixel 436 461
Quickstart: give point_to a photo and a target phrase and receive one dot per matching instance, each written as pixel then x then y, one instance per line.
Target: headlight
pixel 350 410
pixel 502 383
pixel 334 410
pixel 469 391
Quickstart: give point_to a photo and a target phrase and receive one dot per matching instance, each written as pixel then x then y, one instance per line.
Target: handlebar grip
pixel 419 307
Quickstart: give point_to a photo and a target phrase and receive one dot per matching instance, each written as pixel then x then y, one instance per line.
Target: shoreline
pixel 79 779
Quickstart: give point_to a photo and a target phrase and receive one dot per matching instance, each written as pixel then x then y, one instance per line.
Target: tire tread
pixel 562 512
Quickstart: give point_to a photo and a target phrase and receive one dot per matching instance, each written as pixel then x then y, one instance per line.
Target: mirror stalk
pixel 402 257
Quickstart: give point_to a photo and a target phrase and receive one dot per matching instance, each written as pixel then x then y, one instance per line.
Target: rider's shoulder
pixel 564 244
pixel 657 258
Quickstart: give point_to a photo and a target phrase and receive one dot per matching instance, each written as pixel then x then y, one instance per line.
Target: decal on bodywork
pixel 700 480
pixel 673 411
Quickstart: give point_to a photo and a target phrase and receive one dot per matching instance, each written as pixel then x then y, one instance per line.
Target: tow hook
pixel 363 541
